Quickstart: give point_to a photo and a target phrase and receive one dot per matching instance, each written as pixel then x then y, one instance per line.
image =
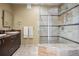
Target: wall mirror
pixel 7 18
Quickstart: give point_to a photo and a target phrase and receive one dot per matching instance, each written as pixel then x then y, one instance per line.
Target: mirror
pixel 7 18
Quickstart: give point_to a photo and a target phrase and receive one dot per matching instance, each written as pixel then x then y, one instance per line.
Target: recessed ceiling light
pixel 29 6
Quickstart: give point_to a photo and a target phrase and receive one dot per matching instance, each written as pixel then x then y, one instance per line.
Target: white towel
pixel 26 32
pixel 30 32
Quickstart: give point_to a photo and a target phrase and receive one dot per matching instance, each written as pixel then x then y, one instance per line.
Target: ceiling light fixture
pixel 29 6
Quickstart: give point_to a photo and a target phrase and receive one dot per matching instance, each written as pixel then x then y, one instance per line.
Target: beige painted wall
pixel 4 7
pixel 27 17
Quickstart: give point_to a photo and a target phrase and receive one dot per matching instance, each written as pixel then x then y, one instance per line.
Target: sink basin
pixel 1 35
pixel 15 32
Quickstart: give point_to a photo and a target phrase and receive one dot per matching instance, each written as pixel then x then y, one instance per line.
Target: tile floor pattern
pixel 29 50
pixel 46 50
pixel 26 50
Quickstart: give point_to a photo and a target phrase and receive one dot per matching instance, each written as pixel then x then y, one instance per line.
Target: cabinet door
pixel 14 38
pixel 16 41
pixel 0 47
pixel 12 41
pixel 6 46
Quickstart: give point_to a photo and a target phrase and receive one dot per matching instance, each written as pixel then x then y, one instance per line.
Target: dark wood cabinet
pixel 8 45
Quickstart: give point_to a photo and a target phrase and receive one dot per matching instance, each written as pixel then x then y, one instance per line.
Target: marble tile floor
pixel 26 50
pixel 46 50
pixel 30 50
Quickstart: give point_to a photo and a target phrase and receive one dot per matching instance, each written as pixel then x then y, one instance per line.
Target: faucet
pixel 5 30
pixel 9 27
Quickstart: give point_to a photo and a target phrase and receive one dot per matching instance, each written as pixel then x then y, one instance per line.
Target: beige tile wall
pixel 4 7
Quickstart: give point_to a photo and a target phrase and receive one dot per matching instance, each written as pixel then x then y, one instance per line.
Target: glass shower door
pixel 48 32
pixel 43 30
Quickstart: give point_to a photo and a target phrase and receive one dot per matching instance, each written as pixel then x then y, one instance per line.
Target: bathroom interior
pixel 39 29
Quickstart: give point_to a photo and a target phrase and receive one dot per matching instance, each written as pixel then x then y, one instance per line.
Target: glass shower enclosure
pixel 48 26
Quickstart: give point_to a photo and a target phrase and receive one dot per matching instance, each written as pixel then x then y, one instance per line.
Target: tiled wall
pixel 48 10
pixel 68 15
pixel 71 17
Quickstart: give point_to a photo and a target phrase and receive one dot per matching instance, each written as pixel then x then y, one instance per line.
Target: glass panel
pixel 43 31
pixel 44 20
pixel 53 20
pixel 53 11
pixel 43 11
pixel 52 40
pixel 43 40
pixel 53 31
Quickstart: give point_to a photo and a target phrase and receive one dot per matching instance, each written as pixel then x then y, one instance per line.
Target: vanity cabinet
pixel 5 46
pixel 9 44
